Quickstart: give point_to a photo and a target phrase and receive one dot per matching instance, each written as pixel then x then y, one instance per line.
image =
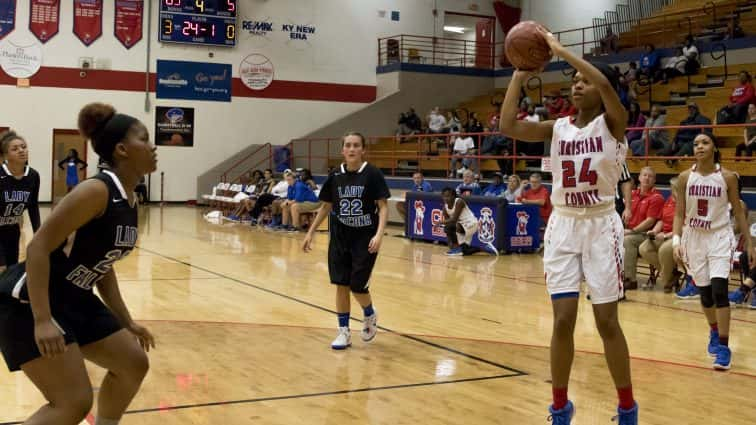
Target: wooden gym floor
pixel 244 321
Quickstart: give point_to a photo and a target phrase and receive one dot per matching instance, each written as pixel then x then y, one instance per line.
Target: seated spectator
pixel 462 146
pixel 460 223
pixel 299 199
pixel 273 199
pixel 413 122
pixel 496 187
pixel 473 123
pixel 749 134
pixel 418 185
pixel 676 66
pixel 568 109
pixel 631 75
pixel 514 188
pixel 554 103
pixel 531 115
pixel 646 209
pixel 436 122
pixel 657 139
pixel 537 194
pixel 404 128
pixel 453 124
pixel 609 43
pixel 690 51
pixel 635 119
pixel 305 175
pixel 657 248
pixel 468 186
pixel 742 96
pixel 649 62
pixel 523 111
pixel 683 143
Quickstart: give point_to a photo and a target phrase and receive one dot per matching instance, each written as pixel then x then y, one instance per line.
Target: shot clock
pixel 209 22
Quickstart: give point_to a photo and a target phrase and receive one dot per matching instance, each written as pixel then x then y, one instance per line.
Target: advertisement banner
pixel 87 22
pixel 128 21
pixel 7 17
pixel 193 81
pixel 174 126
pixel 425 219
pixel 523 227
pixel 44 19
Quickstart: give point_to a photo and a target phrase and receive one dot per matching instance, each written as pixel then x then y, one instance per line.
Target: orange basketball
pixel 526 48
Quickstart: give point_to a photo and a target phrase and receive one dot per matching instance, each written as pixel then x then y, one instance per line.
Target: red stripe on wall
pixel 70 78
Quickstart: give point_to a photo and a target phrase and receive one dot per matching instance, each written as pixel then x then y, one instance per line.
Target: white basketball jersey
pixel 587 163
pixel 706 201
pixel 466 217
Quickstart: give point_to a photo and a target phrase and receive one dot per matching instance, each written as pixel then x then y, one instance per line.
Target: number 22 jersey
pixel 587 164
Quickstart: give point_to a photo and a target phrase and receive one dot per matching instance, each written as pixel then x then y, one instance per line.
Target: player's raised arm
pixel 518 129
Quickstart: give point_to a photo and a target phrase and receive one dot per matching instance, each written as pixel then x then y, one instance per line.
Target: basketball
pixel 526 48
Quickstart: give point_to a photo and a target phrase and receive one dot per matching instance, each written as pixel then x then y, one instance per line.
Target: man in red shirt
pixel 741 97
pixel 537 194
pixel 657 249
pixel 646 210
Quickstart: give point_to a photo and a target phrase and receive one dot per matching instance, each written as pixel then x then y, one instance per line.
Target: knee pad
pixel 707 297
pixel 719 292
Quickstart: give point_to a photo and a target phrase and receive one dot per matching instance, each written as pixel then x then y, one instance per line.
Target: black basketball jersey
pixel 89 253
pixel 18 195
pixel 353 195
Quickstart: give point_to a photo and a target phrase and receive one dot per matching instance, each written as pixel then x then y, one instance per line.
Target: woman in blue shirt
pixel 300 199
pixel 72 168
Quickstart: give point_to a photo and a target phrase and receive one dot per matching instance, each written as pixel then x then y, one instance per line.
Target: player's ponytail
pixel 101 124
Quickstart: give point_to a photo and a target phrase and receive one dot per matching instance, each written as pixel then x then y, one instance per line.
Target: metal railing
pixel 241 166
pixel 635 26
pixel 409 153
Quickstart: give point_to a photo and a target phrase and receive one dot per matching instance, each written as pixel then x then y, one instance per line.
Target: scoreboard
pixel 208 22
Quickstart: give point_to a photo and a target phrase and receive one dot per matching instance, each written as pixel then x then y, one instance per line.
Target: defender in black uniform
pixel 355 197
pixel 19 191
pixel 50 319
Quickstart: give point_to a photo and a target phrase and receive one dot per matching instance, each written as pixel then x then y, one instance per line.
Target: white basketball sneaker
pixel 370 328
pixel 343 339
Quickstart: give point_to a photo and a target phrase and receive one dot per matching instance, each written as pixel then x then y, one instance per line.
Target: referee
pixel 355 194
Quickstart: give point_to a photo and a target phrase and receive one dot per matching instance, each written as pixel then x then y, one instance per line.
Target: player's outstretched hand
pixel 552 41
pixel 144 336
pixel 375 244
pixel 49 339
pixel 307 243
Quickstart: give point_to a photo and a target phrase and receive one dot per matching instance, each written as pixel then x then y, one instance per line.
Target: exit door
pixel 63 142
pixel 484 43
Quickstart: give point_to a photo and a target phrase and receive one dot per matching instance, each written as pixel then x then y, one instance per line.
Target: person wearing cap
pixel 496 187
pixel 683 143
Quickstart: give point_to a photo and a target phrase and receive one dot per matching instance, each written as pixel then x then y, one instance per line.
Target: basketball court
pixel 244 320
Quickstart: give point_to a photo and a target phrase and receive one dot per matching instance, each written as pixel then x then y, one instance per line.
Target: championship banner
pixel 87 22
pixel 7 17
pixel 128 21
pixel 44 18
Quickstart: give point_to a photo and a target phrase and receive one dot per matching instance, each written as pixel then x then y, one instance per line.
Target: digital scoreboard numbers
pixel 208 22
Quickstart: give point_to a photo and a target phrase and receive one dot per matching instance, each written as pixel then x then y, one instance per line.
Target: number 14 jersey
pixel 587 163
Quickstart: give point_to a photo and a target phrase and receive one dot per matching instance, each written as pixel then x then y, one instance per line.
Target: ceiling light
pixel 458 30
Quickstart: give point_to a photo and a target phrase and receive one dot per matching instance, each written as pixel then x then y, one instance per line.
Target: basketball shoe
pixel 343 339
pixel 690 291
pixel 724 358
pixel 627 417
pixel 562 416
pixel 370 328
pixel 713 348
pixel 737 297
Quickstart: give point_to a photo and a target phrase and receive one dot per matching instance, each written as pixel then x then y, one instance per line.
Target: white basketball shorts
pixel 589 248
pixel 708 254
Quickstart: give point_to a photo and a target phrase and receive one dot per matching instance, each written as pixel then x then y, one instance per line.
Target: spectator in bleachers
pixel 272 199
pixel 413 121
pixel 523 111
pixel 676 66
pixel 657 248
pixel 554 103
pixel 537 194
pixel 404 128
pixel 609 43
pixel 650 62
pixel 436 121
pixel 742 96
pixel 690 51
pixel 299 199
pixel 453 125
pixel 305 175
pixel 496 187
pixel 462 146
pixel 568 109
pixel 646 209
pixel 749 134
pixel 418 185
pixel 514 188
pixel 637 119
pixel 493 144
pixel 473 123
pixel 657 139
pixel 683 143
pixel 468 186
pixel 631 75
